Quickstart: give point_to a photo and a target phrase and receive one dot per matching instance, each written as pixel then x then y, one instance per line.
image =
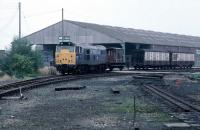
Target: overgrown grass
pixel 48 71
pixel 142 109
pixel 157 117
pixel 1 74
pixel 5 77
pixel 42 72
pixel 128 106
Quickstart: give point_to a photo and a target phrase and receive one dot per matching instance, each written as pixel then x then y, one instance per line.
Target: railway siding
pixel 173 92
pixel 186 106
pixel 13 88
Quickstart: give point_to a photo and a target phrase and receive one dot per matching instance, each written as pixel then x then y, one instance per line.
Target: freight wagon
pixel 182 60
pixel 145 59
pixel 115 58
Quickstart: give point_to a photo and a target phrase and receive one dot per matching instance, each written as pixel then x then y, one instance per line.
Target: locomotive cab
pixel 65 57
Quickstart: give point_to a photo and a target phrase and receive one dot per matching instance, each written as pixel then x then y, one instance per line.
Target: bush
pixel 21 61
pixel 21 65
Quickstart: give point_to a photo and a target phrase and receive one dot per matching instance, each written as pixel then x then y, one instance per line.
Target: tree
pixel 21 60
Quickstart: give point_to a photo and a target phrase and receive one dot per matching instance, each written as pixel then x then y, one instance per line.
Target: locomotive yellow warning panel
pixel 65 56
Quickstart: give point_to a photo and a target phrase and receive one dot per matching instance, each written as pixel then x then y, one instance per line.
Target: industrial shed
pixel 127 38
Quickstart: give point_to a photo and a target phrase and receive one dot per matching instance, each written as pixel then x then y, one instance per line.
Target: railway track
pixel 13 88
pixel 20 83
pixel 185 106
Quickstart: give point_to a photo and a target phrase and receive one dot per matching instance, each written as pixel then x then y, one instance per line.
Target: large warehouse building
pixel 127 38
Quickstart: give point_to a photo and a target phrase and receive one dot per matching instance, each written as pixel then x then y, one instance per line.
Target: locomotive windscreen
pixel 69 48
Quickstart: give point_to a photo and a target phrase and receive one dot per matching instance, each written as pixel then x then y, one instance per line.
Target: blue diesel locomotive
pixel 84 58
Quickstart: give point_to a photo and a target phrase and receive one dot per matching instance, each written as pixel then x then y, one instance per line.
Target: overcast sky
pixel 173 16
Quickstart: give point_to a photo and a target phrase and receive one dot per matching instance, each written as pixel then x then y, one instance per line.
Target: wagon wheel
pixel 120 68
pixel 62 72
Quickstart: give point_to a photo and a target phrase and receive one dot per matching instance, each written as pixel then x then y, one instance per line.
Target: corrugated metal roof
pixel 112 34
pixel 142 36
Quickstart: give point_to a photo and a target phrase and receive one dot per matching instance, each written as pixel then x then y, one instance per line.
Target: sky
pixel 172 16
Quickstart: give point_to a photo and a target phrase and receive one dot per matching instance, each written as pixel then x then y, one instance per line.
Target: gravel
pixel 92 108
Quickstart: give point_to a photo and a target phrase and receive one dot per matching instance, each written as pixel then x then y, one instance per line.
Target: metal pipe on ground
pixel 115 91
pixel 70 88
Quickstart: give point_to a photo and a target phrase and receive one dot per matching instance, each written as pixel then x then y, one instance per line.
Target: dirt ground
pixel 93 108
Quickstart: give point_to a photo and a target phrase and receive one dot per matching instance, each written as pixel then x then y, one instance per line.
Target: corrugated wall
pixel 77 34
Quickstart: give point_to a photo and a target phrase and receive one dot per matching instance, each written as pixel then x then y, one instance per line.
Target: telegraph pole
pixel 62 24
pixel 19 20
